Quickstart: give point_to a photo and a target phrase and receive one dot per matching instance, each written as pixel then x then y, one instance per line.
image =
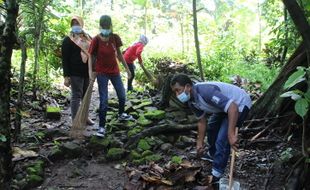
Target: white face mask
pixel 105 32
pixel 76 29
pixel 183 97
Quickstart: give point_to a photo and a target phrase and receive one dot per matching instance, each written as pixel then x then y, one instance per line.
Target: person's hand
pixel 67 81
pixel 92 76
pixel 200 151
pixel 128 74
pixel 233 141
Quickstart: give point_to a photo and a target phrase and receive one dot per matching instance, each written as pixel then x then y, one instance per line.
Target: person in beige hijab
pixel 74 60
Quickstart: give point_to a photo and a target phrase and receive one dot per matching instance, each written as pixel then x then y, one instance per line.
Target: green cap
pixel 105 21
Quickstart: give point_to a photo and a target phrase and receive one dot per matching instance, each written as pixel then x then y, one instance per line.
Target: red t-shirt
pixel 106 62
pixel 134 52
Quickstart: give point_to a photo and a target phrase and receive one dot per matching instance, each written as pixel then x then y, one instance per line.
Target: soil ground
pixel 256 164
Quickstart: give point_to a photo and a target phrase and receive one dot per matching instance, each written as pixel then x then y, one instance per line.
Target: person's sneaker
pixel 100 132
pixel 125 117
pixel 207 157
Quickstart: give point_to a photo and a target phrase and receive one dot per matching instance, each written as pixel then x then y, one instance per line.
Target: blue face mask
pixel 105 32
pixel 76 29
pixel 183 97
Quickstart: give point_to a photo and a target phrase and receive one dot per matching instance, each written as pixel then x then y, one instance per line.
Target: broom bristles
pixel 79 122
pixel 148 75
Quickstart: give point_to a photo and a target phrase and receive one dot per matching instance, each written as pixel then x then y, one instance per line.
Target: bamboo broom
pixel 79 122
pixel 149 75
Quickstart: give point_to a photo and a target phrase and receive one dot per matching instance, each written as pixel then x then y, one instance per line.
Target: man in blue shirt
pixel 228 106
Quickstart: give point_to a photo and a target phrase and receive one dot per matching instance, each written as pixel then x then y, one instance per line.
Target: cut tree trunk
pixel 7 41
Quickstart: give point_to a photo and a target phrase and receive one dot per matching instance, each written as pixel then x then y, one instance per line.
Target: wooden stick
pixel 232 163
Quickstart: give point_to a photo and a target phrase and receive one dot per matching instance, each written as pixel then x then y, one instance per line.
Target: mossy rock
pixel 40 135
pixel 116 143
pixel 147 153
pixel 98 143
pixel 115 154
pixel 134 131
pixel 134 155
pixel 151 141
pixel 143 104
pixel 143 121
pixel 52 112
pixel 56 154
pixel 113 103
pixel 176 159
pixel 138 161
pixel 52 109
pixel 37 168
pixel 155 115
pixel 34 181
pixel 143 145
pixel 130 124
pixel 71 149
pixel 154 157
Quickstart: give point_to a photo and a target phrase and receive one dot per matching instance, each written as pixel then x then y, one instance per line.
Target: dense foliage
pixel 247 38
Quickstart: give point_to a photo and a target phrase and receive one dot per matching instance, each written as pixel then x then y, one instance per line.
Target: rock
pixel 134 155
pixel 139 161
pixel 134 131
pixel 166 147
pixel 154 157
pixel 143 121
pixel 143 104
pixel 147 153
pixel 36 168
pixel 113 103
pixel 115 154
pixel 33 181
pixel 155 115
pixel 52 112
pixel 56 154
pixel 97 143
pixel 71 149
pixel 143 145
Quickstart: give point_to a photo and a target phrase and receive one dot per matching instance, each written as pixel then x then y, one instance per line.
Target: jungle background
pixel 260 45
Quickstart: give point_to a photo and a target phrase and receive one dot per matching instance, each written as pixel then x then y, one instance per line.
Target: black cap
pixel 105 21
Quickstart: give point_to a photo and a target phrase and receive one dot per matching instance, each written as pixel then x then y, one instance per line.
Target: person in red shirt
pixel 106 48
pixel 131 54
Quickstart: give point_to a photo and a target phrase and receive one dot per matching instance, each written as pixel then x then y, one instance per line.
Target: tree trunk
pixel 7 40
pixel 19 103
pixel 197 40
pixel 271 104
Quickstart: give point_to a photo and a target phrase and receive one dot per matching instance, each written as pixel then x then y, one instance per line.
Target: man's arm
pixel 233 114
pixel 201 135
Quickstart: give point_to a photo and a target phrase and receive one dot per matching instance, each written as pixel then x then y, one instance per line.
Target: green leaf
pixel 291 94
pixel 2 138
pixel 307 95
pixel 295 78
pixel 301 107
pixel 307 161
pixel 140 2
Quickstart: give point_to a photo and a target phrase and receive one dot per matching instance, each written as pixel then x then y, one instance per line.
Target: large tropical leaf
pixel 301 107
pixel 295 78
pixel 293 94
